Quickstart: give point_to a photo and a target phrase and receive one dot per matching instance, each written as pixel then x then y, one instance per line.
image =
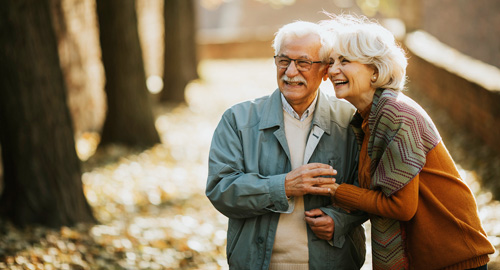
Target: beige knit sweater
pixel 290 250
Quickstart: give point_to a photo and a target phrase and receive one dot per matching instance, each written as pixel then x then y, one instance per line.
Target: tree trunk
pixel 129 120
pixel 180 66
pixel 80 60
pixel 42 175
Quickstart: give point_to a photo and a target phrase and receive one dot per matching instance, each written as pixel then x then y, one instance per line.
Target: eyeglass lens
pixel 301 64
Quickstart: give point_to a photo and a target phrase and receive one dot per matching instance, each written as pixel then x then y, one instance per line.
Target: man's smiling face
pixel 300 87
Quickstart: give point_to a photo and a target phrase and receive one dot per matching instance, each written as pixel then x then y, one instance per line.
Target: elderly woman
pixel 422 213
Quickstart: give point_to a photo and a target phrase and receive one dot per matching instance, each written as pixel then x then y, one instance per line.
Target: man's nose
pixel 291 70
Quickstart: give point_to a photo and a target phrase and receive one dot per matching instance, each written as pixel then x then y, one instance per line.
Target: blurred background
pixel 107 109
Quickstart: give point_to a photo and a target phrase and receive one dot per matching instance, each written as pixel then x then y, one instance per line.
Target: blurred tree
pixel 77 36
pixel 129 118
pixel 180 61
pixel 42 175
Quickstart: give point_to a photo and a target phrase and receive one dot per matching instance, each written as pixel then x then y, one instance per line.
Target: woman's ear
pixel 374 76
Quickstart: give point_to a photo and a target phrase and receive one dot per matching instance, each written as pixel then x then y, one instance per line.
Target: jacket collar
pixel 272 115
pixel 322 115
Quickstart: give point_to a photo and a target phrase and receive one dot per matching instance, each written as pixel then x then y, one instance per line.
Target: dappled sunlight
pixel 151 205
pixel 431 49
pixel 154 84
pixel 86 145
pixel 136 181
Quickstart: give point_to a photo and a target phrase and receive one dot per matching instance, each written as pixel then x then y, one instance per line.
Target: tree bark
pixel 129 120
pixel 42 175
pixel 181 61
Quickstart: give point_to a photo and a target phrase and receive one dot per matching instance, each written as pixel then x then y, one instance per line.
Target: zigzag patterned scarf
pixel 401 136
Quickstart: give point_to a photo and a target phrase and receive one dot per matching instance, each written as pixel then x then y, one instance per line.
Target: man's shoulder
pixel 341 111
pixel 340 104
pixel 245 107
pixel 248 113
pixel 250 104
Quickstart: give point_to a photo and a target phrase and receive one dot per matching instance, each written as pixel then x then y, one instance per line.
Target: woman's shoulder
pixel 397 104
pixel 396 111
pixel 399 101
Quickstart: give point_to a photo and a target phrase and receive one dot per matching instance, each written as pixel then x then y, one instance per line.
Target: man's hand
pixel 321 224
pixel 305 180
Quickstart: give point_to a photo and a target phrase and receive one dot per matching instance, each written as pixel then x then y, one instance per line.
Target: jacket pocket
pixel 336 163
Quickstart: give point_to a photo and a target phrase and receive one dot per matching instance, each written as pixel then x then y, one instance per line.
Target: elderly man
pixel 270 157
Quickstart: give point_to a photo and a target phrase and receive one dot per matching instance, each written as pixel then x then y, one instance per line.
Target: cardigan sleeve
pixel 402 205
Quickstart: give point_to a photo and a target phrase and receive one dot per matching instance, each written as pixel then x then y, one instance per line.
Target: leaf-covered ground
pixel 151 205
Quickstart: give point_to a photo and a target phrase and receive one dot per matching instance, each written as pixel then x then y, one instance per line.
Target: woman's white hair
pixel 301 29
pixel 361 40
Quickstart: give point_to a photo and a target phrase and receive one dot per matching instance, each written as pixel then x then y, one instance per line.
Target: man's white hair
pixel 301 29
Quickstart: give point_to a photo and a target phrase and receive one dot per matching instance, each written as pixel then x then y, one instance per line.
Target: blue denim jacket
pixel 248 161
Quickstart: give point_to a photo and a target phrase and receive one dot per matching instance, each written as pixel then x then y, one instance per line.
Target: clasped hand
pixel 313 178
pixel 317 179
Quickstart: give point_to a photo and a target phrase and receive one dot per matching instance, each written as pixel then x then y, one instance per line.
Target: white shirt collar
pixel 288 108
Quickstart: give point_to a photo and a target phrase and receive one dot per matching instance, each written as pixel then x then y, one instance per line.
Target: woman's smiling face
pixel 352 80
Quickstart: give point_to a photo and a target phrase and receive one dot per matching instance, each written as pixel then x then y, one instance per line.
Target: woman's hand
pixel 333 187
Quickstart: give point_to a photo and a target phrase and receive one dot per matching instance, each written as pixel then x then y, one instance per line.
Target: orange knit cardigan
pixel 437 209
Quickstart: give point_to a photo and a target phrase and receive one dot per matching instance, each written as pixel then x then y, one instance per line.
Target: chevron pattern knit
pixel 401 136
pixel 388 244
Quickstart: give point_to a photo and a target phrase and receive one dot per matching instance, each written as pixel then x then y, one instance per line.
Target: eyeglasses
pixel 301 64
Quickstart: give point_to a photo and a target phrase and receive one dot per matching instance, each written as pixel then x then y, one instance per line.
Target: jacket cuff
pixel 277 192
pixel 340 228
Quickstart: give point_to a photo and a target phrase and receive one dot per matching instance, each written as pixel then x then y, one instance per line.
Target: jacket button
pixel 260 240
